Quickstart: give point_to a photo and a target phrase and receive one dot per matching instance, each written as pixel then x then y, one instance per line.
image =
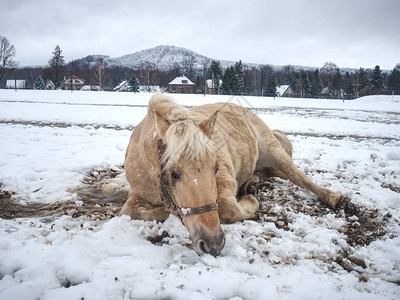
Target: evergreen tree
pixel 362 74
pixel 308 84
pixel 238 80
pixel 227 81
pixel 376 79
pixel 215 73
pixel 233 81
pixel 215 70
pixel 133 84
pixel 316 86
pixel 40 84
pixel 57 66
pixel 394 80
pixel 337 84
pixel 266 71
pixel 270 89
pixel 348 86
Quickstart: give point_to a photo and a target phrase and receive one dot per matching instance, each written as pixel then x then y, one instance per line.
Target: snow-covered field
pixel 52 141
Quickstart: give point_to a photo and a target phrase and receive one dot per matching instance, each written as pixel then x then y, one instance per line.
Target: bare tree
pixel 327 73
pixel 7 52
pixel 206 64
pixel 188 64
pixel 148 75
pixel 13 66
pixel 100 74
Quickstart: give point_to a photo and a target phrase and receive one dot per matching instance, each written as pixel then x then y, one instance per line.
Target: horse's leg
pixel 272 154
pixel 249 187
pixel 230 209
pixel 138 208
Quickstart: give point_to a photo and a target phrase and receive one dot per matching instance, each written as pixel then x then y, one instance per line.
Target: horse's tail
pixel 283 139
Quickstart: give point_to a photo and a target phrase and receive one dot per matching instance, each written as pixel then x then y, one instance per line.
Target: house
pixel 73 82
pixel 90 88
pixel 149 88
pixel 284 91
pixel 15 84
pixel 123 86
pixel 211 86
pixel 49 85
pixel 182 85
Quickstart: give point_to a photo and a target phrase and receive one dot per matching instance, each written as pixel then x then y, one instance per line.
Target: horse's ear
pixel 162 124
pixel 208 124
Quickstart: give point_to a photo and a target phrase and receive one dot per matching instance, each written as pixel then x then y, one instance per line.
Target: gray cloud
pixel 352 33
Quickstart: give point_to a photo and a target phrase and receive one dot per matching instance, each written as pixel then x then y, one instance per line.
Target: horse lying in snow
pixel 193 163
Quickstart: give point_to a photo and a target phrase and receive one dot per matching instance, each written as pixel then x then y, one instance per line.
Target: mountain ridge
pixel 165 57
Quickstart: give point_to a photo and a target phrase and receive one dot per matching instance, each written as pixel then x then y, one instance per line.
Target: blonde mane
pixel 184 139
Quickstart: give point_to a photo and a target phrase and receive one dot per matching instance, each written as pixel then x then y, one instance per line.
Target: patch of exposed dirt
pixel 277 205
pixel 100 196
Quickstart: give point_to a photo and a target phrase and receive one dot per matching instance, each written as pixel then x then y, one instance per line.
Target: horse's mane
pixel 184 139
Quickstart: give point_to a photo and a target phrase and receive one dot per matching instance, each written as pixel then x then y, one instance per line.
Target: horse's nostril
pixel 202 246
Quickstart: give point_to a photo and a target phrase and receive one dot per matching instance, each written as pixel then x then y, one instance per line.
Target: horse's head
pixel 188 170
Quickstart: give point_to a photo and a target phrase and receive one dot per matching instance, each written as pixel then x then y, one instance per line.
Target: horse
pixel 199 165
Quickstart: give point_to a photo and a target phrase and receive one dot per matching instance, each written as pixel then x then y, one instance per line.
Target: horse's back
pixel 141 159
pixel 234 136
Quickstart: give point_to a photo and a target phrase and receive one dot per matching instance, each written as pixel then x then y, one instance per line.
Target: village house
pixel 76 84
pixel 284 91
pixel 92 88
pixel 149 88
pixel 181 85
pixel 50 85
pixel 123 86
pixel 15 84
pixel 211 86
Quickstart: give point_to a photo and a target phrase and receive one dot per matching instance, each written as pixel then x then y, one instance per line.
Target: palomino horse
pixel 194 163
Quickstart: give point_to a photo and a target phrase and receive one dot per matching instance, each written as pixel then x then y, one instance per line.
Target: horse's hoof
pixel 343 203
pixel 252 188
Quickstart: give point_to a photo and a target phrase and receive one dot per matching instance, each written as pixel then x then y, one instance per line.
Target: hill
pixel 164 57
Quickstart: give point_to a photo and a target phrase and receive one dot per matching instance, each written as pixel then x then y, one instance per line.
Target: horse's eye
pixel 216 169
pixel 175 175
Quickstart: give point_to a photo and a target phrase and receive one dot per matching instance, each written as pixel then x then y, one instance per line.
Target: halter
pixel 166 196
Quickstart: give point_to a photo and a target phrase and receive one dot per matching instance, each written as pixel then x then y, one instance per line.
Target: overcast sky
pixel 350 33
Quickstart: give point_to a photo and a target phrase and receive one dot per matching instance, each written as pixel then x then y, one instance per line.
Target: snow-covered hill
pixel 164 57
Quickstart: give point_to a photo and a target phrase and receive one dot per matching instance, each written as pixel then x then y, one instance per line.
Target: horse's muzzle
pixel 208 242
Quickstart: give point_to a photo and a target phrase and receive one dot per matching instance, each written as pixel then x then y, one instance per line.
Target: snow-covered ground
pixel 52 140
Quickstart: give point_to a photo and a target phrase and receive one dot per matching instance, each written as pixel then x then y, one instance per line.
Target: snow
pixel 165 57
pixel 281 89
pixel 181 80
pixel 50 140
pixel 122 86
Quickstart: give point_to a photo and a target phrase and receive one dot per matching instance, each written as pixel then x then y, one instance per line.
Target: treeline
pixel 326 82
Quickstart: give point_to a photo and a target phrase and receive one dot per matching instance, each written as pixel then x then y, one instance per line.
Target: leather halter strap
pixel 165 195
